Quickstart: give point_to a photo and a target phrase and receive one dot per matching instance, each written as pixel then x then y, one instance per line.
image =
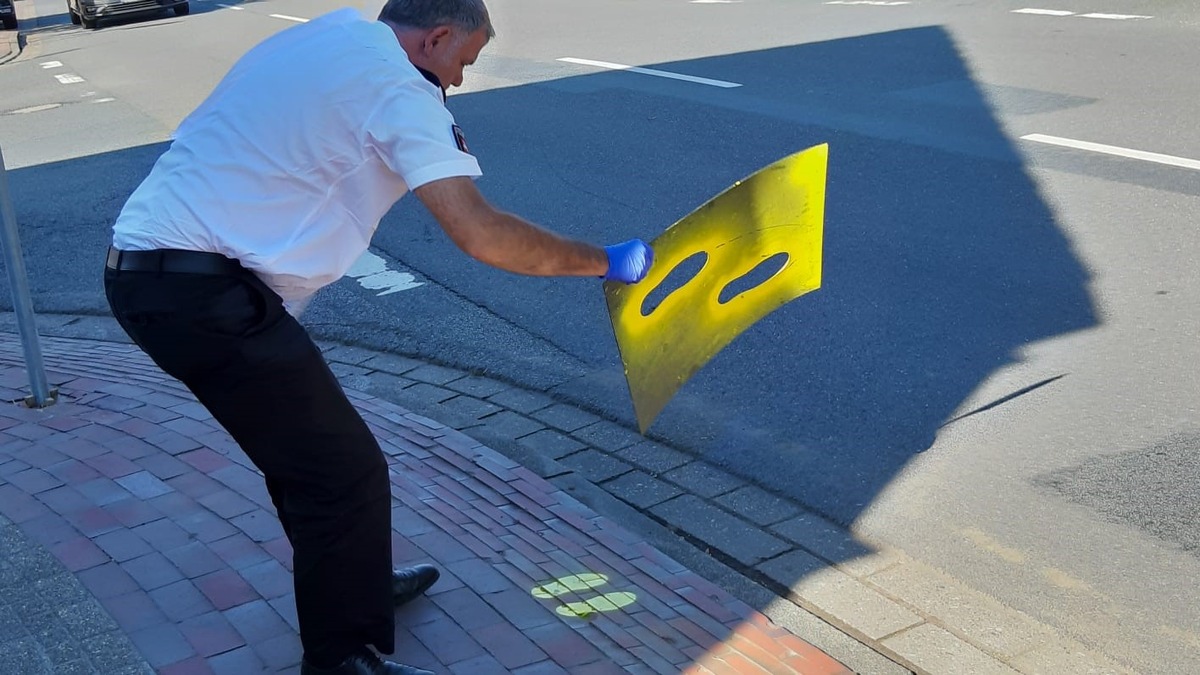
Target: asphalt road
pixel 995 375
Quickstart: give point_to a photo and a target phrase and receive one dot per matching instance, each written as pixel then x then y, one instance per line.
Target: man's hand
pixel 629 261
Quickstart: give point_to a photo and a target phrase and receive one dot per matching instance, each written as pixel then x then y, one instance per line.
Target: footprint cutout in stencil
pixel 580 583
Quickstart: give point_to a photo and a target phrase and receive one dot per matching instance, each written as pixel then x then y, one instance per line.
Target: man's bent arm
pixel 504 240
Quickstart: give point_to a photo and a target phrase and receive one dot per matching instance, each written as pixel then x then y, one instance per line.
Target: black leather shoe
pixel 365 662
pixel 410 582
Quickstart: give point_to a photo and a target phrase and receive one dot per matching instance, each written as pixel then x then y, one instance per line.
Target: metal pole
pixel 22 304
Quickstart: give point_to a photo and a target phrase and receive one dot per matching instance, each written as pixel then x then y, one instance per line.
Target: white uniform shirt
pixel 297 154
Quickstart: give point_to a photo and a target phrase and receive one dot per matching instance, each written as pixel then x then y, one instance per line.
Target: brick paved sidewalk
pixel 135 490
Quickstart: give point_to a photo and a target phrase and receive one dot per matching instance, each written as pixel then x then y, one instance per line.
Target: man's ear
pixel 436 37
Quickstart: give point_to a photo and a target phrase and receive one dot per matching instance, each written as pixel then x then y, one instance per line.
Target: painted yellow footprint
pixel 576 584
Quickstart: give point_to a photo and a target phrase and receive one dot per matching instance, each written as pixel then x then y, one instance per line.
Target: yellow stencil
pixel 779 209
pixel 576 585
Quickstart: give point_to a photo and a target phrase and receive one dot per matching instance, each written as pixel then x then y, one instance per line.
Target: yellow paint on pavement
pixel 563 588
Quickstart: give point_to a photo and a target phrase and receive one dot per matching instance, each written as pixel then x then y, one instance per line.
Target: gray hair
pixel 467 15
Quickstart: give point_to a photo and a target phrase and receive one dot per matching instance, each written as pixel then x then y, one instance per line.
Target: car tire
pixel 91 24
pixel 182 10
pixel 74 15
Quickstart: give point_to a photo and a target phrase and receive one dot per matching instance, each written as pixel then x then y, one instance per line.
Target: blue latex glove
pixel 628 261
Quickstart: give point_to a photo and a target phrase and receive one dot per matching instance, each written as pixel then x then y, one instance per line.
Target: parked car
pixel 90 12
pixel 8 14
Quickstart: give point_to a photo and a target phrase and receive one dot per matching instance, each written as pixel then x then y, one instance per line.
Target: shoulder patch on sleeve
pixel 460 139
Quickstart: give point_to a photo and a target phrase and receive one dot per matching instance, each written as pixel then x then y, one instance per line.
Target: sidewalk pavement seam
pixel 539 439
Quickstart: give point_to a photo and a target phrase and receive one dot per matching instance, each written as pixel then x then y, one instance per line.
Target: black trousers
pixel 254 367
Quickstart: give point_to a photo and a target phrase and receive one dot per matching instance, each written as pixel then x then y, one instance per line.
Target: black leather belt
pixel 172 260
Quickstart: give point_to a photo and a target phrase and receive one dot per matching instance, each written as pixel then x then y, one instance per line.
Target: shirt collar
pixel 432 78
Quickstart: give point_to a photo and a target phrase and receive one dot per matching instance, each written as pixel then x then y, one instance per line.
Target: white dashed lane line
pixel 1117 17
pixel 1155 157
pixel 651 71
pixel 69 78
pixel 876 3
pixel 1043 12
pixel 50 64
pixel 230 7
pixel 1089 15
pixel 285 17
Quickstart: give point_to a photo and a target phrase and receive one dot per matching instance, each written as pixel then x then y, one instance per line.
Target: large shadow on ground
pixel 941 259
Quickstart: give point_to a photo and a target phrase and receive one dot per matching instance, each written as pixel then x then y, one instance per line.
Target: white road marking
pixel 1063 12
pixel 35 108
pixel 877 3
pixel 1115 150
pixel 372 274
pixel 230 7
pixel 1047 12
pixel 715 2
pixel 104 100
pixel 87 94
pixel 51 64
pixel 68 78
pixel 1118 17
pixel 285 17
pixel 650 71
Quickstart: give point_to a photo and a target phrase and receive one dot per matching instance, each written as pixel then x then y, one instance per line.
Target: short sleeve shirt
pixel 291 162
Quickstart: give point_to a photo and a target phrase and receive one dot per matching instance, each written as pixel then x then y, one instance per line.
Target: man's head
pixel 441 36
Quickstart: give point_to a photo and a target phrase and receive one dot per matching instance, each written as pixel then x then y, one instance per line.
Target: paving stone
pixel 257 621
pixel 703 479
pixel 825 539
pixel 210 634
pixel 470 407
pixel 346 354
pixel 180 600
pixel 480 387
pixel 466 608
pixel 654 457
pixel 391 363
pixel 565 417
pixel 144 485
pixel 758 505
pixel 432 374
pixel 552 444
pixel 343 370
pixel 508 645
pixel 607 436
pixel 641 489
pixel 521 401
pixel 426 393
pixel 939 651
pixel 834 593
pixel 508 424
pixel 987 622
pixel 596 466
pixel 446 640
pixel 717 528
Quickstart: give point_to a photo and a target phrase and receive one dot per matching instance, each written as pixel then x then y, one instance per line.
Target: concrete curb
pixel 10 45
pixel 874 609
pixel 12 42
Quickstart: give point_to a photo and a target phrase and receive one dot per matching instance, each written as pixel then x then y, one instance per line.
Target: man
pixel 272 188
